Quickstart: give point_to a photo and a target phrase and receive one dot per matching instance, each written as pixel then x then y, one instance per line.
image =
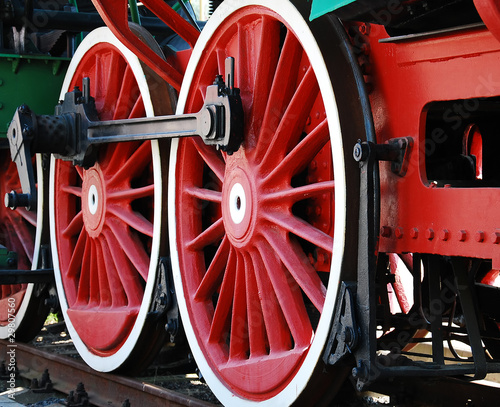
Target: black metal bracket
pixel 367 154
pixel 345 333
pixel 370 365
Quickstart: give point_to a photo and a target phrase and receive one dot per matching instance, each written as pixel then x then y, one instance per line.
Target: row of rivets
pixel 444 234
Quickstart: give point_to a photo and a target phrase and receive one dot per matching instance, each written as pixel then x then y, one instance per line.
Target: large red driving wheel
pixel 22 307
pixel 106 219
pixel 258 237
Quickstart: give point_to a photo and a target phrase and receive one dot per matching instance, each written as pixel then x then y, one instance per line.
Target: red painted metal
pixel 489 10
pixel 115 15
pixel 406 77
pixel 104 235
pixel 250 211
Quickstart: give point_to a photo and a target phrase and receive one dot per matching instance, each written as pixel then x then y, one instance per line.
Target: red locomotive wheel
pixel 18 233
pixel 105 220
pixel 258 239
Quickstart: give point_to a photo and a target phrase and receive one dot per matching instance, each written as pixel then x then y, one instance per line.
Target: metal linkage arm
pixel 75 130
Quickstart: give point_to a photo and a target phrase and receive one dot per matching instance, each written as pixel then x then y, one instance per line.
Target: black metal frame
pixel 370 366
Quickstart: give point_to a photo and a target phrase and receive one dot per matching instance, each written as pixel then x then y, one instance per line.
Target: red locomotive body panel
pixel 408 76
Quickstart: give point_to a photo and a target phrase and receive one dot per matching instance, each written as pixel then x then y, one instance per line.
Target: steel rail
pixel 104 389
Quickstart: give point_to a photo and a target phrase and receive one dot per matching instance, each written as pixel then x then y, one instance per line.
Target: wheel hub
pixel 237 206
pixel 93 200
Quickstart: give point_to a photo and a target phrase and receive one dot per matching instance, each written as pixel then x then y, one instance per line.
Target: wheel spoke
pixel 300 268
pixel 293 121
pixel 222 316
pixel 302 229
pixel 138 110
pixel 268 52
pixel 94 280
pixel 256 327
pixel 72 190
pixel 291 195
pixel 281 92
pixel 116 287
pixel 129 92
pixel 302 154
pixel 132 247
pixel 133 219
pixel 238 344
pixel 210 157
pixel 83 293
pixel 134 165
pixel 76 261
pixel 74 227
pixel 289 296
pixel 129 278
pixel 213 234
pixel 132 193
pixel 204 194
pixel 114 68
pixel 23 236
pixel 215 272
pixel 104 290
pixel 28 216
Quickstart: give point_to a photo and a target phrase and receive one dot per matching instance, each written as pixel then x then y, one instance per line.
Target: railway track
pixel 104 390
pixel 67 371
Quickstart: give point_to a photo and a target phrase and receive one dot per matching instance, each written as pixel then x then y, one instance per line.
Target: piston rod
pixel 75 130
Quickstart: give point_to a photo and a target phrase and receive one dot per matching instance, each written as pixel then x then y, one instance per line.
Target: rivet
pixel 414 233
pixel 444 235
pixel 364 29
pixel 313 166
pixel 385 231
pixel 462 235
pixel 399 232
pixel 495 237
pixel 429 234
pixel 1 82
pixel 479 236
pixel 318 210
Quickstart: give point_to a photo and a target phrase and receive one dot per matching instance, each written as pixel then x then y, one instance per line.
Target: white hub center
pixel 237 203
pixel 93 199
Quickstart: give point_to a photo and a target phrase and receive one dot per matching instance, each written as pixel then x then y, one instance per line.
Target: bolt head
pixel 462 235
pixel 429 234
pixel 399 233
pixel 479 236
pixel 385 231
pixel 495 237
pixel 444 235
pixel 414 233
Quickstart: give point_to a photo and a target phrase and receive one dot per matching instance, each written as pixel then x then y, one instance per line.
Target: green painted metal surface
pixel 32 79
pixel 8 259
pixel 321 7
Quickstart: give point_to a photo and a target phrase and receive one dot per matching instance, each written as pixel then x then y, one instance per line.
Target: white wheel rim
pixel 296 22
pixel 114 361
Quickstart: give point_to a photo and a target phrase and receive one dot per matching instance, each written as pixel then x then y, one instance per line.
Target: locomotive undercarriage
pixel 411 217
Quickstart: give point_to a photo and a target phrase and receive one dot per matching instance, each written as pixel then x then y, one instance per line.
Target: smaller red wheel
pixel 22 308
pixel 106 219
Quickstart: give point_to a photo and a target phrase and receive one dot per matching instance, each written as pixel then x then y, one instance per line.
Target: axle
pixel 74 132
